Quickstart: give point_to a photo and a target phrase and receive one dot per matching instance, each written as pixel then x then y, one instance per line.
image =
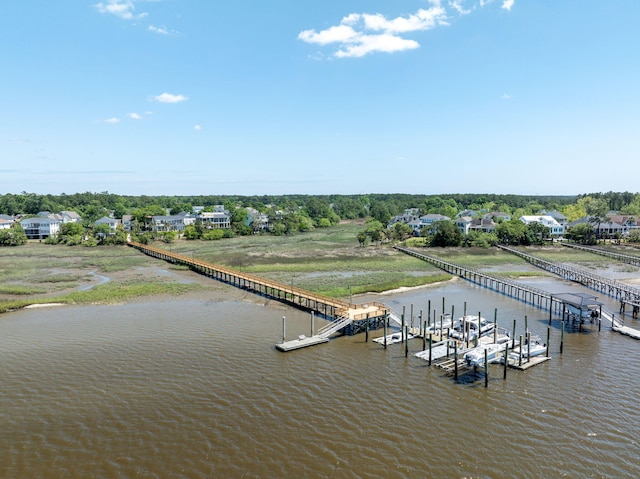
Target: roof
pixel 578 300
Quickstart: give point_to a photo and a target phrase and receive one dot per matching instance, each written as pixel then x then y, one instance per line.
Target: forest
pixel 295 213
pixel 382 207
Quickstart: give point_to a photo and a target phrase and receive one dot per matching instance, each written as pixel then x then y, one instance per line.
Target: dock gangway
pixel 334 326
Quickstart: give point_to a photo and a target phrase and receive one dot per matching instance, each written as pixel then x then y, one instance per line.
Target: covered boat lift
pixel 579 306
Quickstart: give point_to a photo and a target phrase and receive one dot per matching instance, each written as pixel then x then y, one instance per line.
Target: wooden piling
pixel 548 339
pixel 562 337
pixel 311 323
pixel 424 336
pixel 386 320
pixel 506 361
pixel 513 336
pixel 430 348
pixel 411 320
pixel 455 362
pixel 366 330
pixel 520 354
pixel 284 329
pixel 406 342
pixel 486 368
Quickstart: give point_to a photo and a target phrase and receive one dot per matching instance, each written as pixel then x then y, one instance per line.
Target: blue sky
pixel 179 97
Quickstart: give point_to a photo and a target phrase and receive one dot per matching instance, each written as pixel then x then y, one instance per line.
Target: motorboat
pixel 393 338
pixel 476 356
pixel 467 328
pixel 530 348
pixel 438 326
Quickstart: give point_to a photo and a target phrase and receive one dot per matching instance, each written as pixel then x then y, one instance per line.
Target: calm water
pixel 195 389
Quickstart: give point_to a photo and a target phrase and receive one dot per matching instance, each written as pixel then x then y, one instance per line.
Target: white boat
pixel 438 326
pixel 467 328
pixel 529 350
pixel 441 349
pixel 393 338
pixel 475 357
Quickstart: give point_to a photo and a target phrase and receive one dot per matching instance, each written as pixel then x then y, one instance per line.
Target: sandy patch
pixel 44 305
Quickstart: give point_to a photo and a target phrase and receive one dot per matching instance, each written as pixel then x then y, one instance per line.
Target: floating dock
pixel 302 342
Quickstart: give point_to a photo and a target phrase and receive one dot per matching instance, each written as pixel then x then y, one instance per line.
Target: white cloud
pixel 159 30
pixel 197 127
pixel 507 4
pixel 376 43
pixel 134 116
pixel 360 34
pixel 505 96
pixel 170 98
pixel 112 120
pixel 458 6
pixel 120 8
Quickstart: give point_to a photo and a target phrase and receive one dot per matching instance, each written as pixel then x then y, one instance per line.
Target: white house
pixel 218 218
pixel 463 223
pixel 40 228
pixel 555 228
pixel 6 221
pixel 426 220
pixel 177 222
pixel 113 223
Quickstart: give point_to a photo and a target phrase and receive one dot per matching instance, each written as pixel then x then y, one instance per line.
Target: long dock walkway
pixel 613 288
pixel 326 306
pixel 522 292
pixel 625 258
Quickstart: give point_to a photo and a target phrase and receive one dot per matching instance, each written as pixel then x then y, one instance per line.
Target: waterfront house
pixel 484 225
pixel 555 229
pixel 113 223
pixel 40 227
pixel 497 216
pixel 426 221
pixel 6 221
pixel 164 223
pixel 256 220
pixel 409 215
pixel 218 218
pixel 463 223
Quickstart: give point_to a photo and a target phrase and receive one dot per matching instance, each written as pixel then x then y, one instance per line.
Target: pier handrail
pixel 626 258
pixel 569 272
pixel 337 303
pixel 334 326
pixel 449 266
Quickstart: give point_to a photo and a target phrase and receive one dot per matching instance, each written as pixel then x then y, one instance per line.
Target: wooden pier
pixel 610 287
pixel 560 303
pixel 522 292
pixel 357 315
pixel 625 258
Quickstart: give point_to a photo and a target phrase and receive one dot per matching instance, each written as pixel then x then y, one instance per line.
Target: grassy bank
pixel 37 274
pixel 329 261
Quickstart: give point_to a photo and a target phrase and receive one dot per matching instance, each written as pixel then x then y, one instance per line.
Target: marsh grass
pixel 328 261
pixel 20 290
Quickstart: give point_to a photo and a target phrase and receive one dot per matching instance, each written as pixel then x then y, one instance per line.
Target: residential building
pixel 218 218
pixel 555 228
pixel 256 220
pixel 426 221
pixel 463 223
pixel 6 221
pixel 40 228
pixel 164 223
pixel 113 223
